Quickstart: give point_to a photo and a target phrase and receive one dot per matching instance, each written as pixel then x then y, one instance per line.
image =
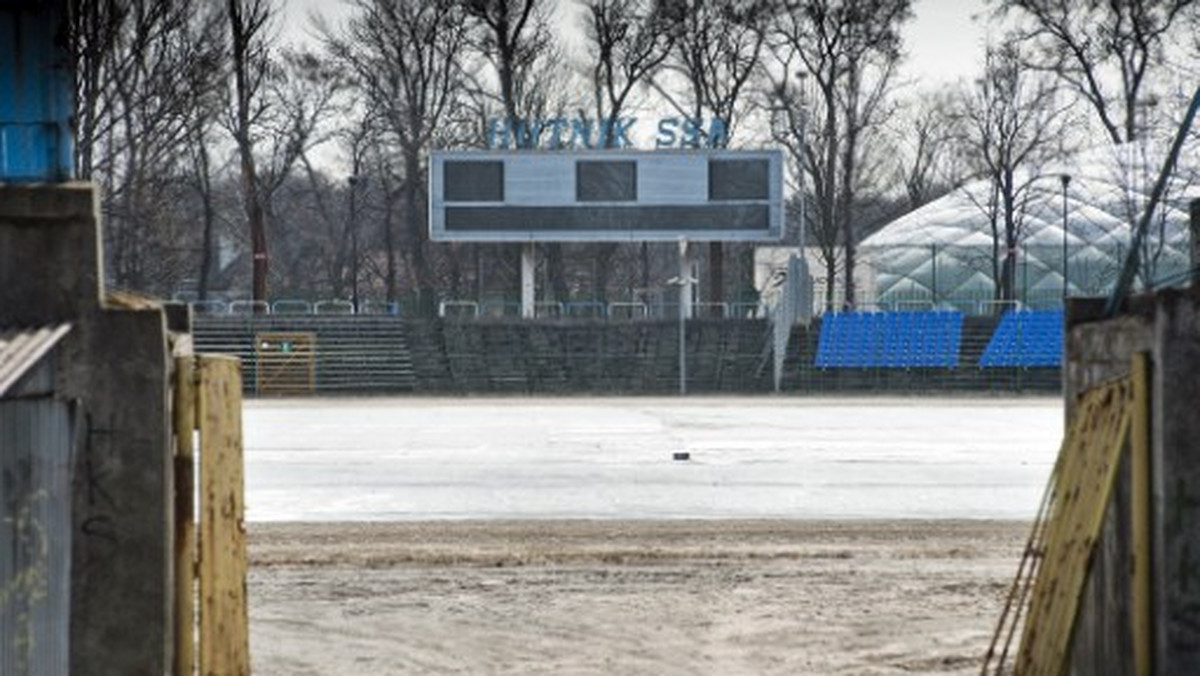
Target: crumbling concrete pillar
pixel 1176 471
pixel 114 364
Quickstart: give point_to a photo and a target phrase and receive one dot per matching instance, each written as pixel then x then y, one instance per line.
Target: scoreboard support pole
pixel 686 280
pixel 686 283
pixel 528 284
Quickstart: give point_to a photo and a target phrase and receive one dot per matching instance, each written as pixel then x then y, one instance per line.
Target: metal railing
pixel 619 310
pixel 466 354
pixel 249 307
pixel 333 307
pixel 614 310
pixel 291 307
pixel 548 309
pixel 458 308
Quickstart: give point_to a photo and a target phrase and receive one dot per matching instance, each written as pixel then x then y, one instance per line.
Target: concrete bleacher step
pixel 353 353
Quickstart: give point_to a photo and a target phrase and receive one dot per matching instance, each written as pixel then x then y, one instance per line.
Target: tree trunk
pixel 603 270
pixel 209 215
pixel 417 232
pixel 716 274
pixel 828 212
pixel 556 270
pixel 257 222
pixel 241 36
pixel 830 282
pixel 645 276
pixel 389 242
pixel 1008 271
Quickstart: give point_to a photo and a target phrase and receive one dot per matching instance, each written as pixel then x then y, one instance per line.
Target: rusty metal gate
pixel 1044 600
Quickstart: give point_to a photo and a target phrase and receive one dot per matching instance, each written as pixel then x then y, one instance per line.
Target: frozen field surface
pixel 412 459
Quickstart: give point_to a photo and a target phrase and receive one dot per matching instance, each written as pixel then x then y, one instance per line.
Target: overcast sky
pixel 943 41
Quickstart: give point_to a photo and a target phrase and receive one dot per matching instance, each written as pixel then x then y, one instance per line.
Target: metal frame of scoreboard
pixel 606 195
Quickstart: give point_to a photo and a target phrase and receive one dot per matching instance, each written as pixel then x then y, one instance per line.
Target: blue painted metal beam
pixel 37 92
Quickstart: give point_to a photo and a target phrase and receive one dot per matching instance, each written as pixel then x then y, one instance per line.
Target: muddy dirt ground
pixel 628 597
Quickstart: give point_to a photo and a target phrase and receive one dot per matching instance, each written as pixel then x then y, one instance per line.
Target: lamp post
pixel 1066 181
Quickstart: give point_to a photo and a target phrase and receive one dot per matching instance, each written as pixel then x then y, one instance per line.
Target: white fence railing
pixel 616 310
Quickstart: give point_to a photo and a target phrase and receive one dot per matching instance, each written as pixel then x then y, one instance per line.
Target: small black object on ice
pixel 681 455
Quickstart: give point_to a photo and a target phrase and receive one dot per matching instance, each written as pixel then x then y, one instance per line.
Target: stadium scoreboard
pixel 606 195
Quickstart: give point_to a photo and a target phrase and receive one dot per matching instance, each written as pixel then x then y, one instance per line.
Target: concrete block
pixel 48 201
pixel 121 588
pixel 50 257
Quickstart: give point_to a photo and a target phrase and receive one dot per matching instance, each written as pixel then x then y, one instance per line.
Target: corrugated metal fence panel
pixel 36 439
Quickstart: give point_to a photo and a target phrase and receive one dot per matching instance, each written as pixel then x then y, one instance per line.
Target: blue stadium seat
pixel 1026 338
pixel 898 339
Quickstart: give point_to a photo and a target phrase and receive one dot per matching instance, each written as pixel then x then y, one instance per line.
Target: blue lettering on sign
pixel 581 134
pixel 558 132
pixel 687 132
pixel 666 133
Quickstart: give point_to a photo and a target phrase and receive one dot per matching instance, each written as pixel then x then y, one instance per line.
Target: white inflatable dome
pixel 943 252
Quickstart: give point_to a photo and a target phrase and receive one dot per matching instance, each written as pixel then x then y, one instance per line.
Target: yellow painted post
pixel 224 631
pixel 1081 484
pixel 1140 521
pixel 184 426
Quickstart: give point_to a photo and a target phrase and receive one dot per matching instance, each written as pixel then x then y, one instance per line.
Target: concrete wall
pixel 1098 352
pixel 1176 479
pixel 1167 326
pixel 115 365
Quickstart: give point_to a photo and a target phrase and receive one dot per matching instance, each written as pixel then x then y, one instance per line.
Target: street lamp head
pixel 1066 180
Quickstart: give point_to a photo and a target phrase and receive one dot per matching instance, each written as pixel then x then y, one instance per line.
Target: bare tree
pixel 331 199
pixel 300 108
pixel 134 121
pixel 850 50
pixel 206 106
pixel 95 28
pixel 1013 123
pixel 405 57
pixel 249 23
pixel 930 167
pixel 1105 51
pixel 278 109
pixel 515 38
pixel 628 41
pixel 717 54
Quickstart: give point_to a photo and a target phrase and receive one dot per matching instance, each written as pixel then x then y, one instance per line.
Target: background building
pixel 945 253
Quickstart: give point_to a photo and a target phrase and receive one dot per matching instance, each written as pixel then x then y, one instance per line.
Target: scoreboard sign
pixel 606 196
